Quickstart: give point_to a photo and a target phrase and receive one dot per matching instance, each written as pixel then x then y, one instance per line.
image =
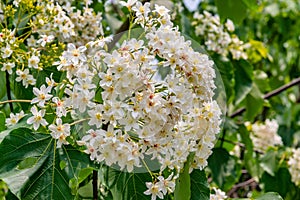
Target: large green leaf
pixel 31 165
pixel 125 186
pixel 243 79
pixel 236 10
pixel 199 185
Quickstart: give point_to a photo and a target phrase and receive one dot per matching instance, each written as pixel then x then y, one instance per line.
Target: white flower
pixel 60 107
pixel 96 116
pixel 14 118
pixel 6 51
pixel 25 77
pixel 37 118
pixel 155 190
pixel 75 55
pixel 219 194
pixel 33 62
pixel 8 67
pixel 45 39
pixel 50 82
pixel 60 131
pixel 41 95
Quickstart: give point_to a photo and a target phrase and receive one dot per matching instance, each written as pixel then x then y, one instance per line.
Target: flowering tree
pixel 117 100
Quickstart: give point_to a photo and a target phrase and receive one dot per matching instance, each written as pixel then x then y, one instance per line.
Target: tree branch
pixel 8 91
pixel 95 184
pixel 270 94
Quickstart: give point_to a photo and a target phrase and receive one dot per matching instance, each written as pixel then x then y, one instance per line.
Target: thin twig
pixel 270 94
pixel 282 88
pixel 15 101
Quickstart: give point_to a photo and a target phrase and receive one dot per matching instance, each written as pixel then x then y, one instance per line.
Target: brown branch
pixel 8 92
pixel 95 185
pixel 240 185
pixel 269 95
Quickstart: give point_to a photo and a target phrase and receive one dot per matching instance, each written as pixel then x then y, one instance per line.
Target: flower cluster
pixel 294 166
pixel 264 135
pixel 218 195
pixel 67 23
pixel 219 37
pixel 141 112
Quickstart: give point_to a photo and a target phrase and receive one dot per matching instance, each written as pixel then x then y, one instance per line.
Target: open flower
pixel 6 51
pixel 75 54
pixel 41 95
pixel 60 131
pixel 37 118
pixel 8 67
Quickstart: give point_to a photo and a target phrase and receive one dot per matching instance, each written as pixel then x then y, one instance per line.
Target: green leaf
pixel 254 103
pixel 243 79
pixel 125 186
pixel 2 121
pixel 199 185
pixel 236 10
pixel 30 165
pixel 268 162
pixel 86 191
pixel 2 84
pixel 84 173
pixel 183 183
pixel 280 183
pixel 270 196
